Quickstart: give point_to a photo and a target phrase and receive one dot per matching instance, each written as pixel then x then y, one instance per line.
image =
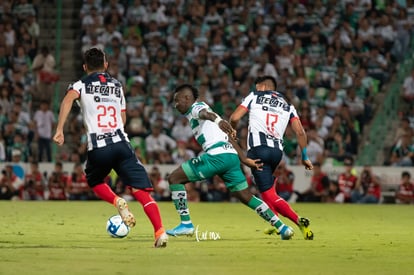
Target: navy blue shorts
pixel 271 158
pixel 118 156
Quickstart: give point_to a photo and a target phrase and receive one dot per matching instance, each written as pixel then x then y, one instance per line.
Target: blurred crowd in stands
pixel 349 186
pixel 330 59
pixel 27 74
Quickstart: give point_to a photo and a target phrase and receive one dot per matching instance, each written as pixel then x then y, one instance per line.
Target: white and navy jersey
pixel 101 99
pixel 269 115
pixel 207 133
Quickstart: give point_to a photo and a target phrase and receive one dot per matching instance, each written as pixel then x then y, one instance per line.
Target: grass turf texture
pixel 70 238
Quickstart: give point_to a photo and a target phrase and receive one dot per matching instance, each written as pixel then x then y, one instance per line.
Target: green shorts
pixel 226 165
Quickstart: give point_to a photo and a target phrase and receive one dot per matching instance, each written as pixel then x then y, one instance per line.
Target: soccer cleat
pixel 127 217
pixel 270 231
pixel 182 230
pixel 161 239
pixel 286 233
pixel 304 227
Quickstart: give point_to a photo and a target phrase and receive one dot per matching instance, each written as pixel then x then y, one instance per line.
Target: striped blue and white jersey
pixel 269 115
pixel 207 133
pixel 101 99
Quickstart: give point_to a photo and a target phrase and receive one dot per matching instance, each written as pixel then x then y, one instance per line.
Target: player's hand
pixel 233 134
pixel 226 127
pixel 254 163
pixel 308 164
pixel 59 138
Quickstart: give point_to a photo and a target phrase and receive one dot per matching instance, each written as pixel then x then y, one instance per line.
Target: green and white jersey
pixel 207 133
pixel 316 51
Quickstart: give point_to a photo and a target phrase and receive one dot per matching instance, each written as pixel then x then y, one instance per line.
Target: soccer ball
pixel 116 228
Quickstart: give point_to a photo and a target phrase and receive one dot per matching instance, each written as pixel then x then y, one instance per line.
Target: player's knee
pixel 177 176
pixel 172 178
pixel 244 195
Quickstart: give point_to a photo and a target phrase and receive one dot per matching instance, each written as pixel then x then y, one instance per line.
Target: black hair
pixel 94 59
pixel 406 174
pixel 193 89
pixel 264 78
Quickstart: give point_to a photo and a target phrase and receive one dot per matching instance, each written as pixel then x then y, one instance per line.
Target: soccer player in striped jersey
pixel 222 157
pixel 101 99
pixel 269 115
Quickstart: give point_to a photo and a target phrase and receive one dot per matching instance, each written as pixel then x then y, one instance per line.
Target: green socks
pixel 179 197
pixel 264 211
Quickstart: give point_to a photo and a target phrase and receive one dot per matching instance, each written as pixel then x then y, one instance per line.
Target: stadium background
pixel 63 29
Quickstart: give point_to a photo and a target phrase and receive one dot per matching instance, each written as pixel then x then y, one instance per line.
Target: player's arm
pixel 252 163
pixel 223 124
pixel 237 115
pixel 123 116
pixel 302 141
pixel 64 111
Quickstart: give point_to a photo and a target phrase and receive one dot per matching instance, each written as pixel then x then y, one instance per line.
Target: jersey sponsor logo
pixel 106 135
pixel 272 137
pixel 227 146
pixel 103 90
pixel 272 102
pixel 104 99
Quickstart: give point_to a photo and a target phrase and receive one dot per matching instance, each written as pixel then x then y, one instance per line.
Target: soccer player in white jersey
pixel 101 99
pixel 221 158
pixel 269 115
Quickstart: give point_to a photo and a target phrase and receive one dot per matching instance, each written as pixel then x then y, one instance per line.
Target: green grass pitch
pixel 70 238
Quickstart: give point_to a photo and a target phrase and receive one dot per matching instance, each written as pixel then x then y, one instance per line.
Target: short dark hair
pixel 264 78
pixel 94 59
pixel 190 87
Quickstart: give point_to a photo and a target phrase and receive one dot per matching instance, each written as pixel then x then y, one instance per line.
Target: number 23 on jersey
pixel 106 116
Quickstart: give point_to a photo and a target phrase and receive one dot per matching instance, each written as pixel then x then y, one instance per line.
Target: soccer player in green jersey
pixel 221 158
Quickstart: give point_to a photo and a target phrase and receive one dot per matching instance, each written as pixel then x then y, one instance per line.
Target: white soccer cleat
pixel 161 240
pixel 127 217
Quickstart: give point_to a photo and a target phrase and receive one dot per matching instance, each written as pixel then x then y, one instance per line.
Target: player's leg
pixel 134 175
pixel 284 208
pixel 272 198
pixel 236 183
pixel 152 211
pixel 264 179
pixel 103 191
pixel 177 179
pixel 192 170
pixel 96 171
pixel 263 210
